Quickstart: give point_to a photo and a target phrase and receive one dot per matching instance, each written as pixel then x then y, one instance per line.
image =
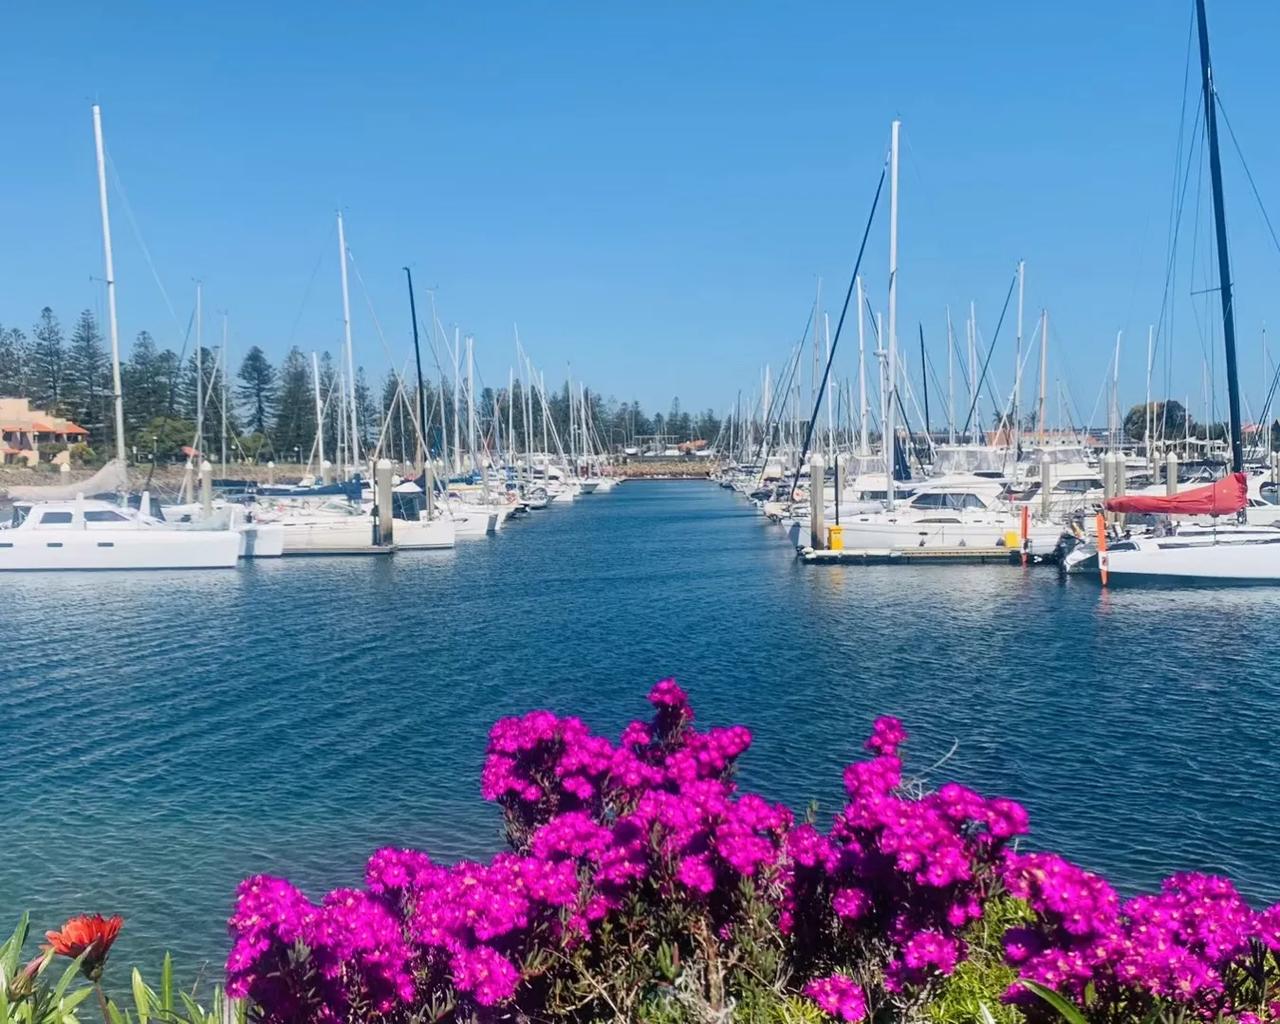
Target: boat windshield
pixel 947 500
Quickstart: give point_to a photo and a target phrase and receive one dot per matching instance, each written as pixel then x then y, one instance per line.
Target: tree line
pixel 268 411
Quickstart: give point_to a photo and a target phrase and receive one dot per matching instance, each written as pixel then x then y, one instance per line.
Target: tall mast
pixel 117 392
pixel 973 353
pixel 951 381
pixel 863 446
pixel 1148 414
pixel 223 397
pixel 1220 225
pixel 346 334
pixel 315 386
pixel 511 414
pixel 1044 371
pixel 199 370
pixel 831 422
pixel 1017 364
pixel 422 391
pixel 457 399
pixel 889 430
pixel 471 400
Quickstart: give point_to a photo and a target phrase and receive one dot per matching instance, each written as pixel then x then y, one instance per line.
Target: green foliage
pixel 150 1005
pixel 26 997
pixel 972 994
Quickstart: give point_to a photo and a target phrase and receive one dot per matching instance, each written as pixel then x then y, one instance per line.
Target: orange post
pixel 1026 526
pixel 1101 528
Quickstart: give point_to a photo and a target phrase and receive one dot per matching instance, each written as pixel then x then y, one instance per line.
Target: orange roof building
pixel 23 430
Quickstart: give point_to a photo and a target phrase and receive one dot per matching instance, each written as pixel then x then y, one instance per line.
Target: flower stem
pixel 102 1002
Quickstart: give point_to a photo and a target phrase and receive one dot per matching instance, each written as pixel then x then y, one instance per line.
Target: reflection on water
pixel 166 734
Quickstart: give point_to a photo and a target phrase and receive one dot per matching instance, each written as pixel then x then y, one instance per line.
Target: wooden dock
pixel 915 556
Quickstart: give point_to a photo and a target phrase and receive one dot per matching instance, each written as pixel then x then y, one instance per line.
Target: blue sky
pixel 649 190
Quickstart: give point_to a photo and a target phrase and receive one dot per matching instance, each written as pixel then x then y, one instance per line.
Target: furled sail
pixel 113 477
pixel 1221 498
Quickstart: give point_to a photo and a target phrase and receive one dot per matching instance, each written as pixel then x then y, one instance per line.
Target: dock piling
pixel 206 488
pixel 382 494
pixel 817 508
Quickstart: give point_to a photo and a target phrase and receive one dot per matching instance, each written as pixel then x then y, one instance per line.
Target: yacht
pixel 94 534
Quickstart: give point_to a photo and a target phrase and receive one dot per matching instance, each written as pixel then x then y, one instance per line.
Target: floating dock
pixel 919 556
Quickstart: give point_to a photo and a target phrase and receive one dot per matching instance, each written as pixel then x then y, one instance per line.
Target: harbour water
pixel 164 735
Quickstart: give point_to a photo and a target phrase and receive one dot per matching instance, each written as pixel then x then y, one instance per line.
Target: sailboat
pixel 1232 552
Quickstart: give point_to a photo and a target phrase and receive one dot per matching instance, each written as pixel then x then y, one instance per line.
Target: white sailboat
pixel 1231 552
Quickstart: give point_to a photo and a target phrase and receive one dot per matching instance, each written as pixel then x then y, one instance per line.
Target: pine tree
pixel 295 420
pixel 334 404
pixel 14 360
pixel 257 389
pixel 49 357
pixel 144 397
pixel 87 385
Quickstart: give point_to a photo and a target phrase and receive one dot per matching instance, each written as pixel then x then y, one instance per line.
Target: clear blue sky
pixel 649 190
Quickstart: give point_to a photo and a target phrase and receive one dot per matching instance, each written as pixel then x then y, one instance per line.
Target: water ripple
pixel 163 735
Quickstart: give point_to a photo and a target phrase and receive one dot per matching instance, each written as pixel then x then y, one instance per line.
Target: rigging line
pixel 1247 172
pixel 987 362
pixel 844 310
pixel 137 232
pixel 306 292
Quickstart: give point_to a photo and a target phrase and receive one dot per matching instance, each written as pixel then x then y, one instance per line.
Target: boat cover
pixel 1223 497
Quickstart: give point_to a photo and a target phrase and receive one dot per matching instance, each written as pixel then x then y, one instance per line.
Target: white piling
pixel 817 528
pixel 382 493
pixel 271 473
pixel 206 488
pixel 1171 474
pixel 326 472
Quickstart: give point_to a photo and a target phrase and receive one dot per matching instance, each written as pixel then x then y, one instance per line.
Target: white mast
pixel 223 397
pixel 893 314
pixel 457 399
pixel 1148 414
pixel 826 391
pixel 1044 370
pixel 973 357
pixel 951 381
pixel 471 400
pixel 199 370
pixel 511 415
pixel 117 393
pixel 315 383
pixel 346 332
pixel 863 447
pixel 1017 364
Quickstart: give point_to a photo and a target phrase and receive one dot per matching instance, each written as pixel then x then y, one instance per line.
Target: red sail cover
pixel 1223 497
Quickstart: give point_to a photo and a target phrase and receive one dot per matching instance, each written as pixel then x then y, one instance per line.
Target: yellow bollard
pixel 835 538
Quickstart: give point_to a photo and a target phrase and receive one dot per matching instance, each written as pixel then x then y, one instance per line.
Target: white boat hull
pixel 423 535
pixel 880 533
pixel 41 551
pixel 1231 555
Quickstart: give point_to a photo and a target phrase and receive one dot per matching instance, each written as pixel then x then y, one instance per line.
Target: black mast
pixel 1220 224
pixel 422 395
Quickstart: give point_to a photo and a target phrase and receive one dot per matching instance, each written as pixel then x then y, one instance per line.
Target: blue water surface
pixel 163 735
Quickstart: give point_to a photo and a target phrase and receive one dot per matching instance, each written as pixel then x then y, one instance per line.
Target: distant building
pixel 24 429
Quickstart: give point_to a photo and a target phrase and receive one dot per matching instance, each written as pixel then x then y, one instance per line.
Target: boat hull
pixel 88 550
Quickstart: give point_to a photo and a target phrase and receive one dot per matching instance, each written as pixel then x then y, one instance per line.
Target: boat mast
pixel 951 381
pixel 222 399
pixel 457 407
pixel 471 401
pixel 889 429
pixel 1220 225
pixel 863 447
pixel 117 392
pixel 315 386
pixel 1044 371
pixel 1017 364
pixel 346 333
pixel 199 370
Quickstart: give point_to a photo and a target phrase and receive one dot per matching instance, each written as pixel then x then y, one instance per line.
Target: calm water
pixel 163 735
